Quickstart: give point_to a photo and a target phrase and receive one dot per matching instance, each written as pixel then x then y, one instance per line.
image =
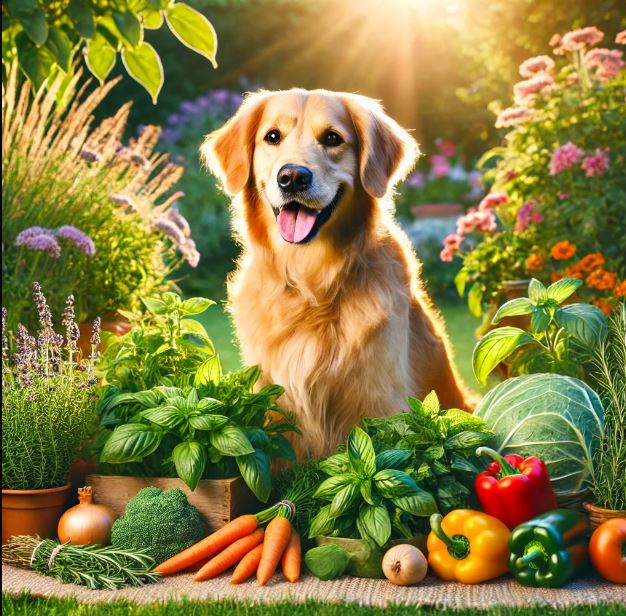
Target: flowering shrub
pixel 47 399
pixel 558 184
pixel 83 212
pixel 442 177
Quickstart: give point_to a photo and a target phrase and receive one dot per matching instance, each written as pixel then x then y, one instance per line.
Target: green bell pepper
pixel 550 549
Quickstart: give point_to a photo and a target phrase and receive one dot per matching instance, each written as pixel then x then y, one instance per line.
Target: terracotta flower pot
pixel 32 512
pixel 597 515
pixel 111 322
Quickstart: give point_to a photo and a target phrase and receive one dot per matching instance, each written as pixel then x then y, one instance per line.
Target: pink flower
pixel 492 200
pixel 511 174
pixel 453 241
pixel 446 148
pixel 440 166
pixel 415 180
pixel 596 163
pixel 476 220
pixel 607 62
pixel 513 116
pixel 583 37
pixel 565 157
pixel 536 64
pixel 526 90
pixel 555 43
pixel 525 215
pixel 562 195
pixel 446 255
pixel 620 38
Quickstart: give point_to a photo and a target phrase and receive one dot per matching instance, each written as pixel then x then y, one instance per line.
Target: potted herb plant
pixel 47 414
pixel 169 417
pixel 608 486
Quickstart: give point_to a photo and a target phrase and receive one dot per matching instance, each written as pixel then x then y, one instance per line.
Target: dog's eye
pixel 273 137
pixel 332 139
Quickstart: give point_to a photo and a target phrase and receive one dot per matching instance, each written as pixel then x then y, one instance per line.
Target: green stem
pixel 458 545
pixel 505 468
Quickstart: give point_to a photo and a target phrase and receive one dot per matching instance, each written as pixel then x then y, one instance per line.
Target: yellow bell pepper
pixel 468 546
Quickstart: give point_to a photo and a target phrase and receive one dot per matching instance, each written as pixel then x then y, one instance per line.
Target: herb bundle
pixel 92 566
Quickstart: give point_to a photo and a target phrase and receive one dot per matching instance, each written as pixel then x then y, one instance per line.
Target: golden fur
pixel 341 322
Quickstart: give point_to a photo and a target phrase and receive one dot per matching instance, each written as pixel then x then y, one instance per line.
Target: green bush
pixel 47 402
pixel 82 212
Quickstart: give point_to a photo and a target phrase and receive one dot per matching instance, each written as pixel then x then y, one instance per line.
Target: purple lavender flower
pixel 180 221
pixel 190 253
pixel 121 200
pixel 95 331
pixel 91 156
pixel 81 240
pixel 69 320
pixel 38 238
pixel 189 107
pixel 173 119
pixel 45 317
pixel 170 229
pixel 25 356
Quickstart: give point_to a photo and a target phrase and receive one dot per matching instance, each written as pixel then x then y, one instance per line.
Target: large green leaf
pixel 344 499
pixel 165 416
pixel 190 460
pixel 144 66
pixel 393 458
pixel 322 524
pixel 560 290
pixel 82 16
pixel 475 300
pixel 256 471
pixel 196 305
pixel 391 483
pixel 460 280
pixel 35 62
pixel 209 371
pixel 373 522
pixel 208 421
pixel 513 308
pixel 537 291
pixel 420 503
pixel 152 19
pixel 129 27
pixel 539 320
pixel 32 18
pixel 60 46
pixel 192 29
pixel 337 464
pixel 495 346
pixel 361 453
pixel 280 447
pixel 130 443
pixel 329 487
pixel 231 441
pixel 100 58
pixel 584 322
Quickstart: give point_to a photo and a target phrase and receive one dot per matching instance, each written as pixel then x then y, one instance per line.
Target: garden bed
pixel 432 592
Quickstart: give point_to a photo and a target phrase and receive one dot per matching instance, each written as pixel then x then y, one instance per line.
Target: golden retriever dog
pixel 327 297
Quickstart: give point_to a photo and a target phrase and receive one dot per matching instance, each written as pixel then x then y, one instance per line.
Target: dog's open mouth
pixel 298 223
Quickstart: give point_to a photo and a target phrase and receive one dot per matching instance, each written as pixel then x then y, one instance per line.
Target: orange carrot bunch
pixel 245 544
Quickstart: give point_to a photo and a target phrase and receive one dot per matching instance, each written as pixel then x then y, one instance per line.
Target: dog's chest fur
pixel 325 349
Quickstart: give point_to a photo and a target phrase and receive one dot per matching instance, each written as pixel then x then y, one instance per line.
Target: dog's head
pixel 306 154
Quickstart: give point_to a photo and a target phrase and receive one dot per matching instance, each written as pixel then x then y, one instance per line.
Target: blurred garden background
pixel 113 209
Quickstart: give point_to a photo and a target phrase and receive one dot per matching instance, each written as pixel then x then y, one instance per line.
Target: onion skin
pixel 404 565
pixel 87 523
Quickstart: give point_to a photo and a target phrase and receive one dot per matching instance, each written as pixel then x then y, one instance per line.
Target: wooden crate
pixel 218 500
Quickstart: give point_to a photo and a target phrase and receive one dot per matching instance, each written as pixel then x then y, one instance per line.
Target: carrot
pixel 214 543
pixel 291 562
pixel 196 566
pixel 230 556
pixel 277 537
pixel 247 566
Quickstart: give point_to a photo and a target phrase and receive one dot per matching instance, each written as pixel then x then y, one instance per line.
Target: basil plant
pixel 559 338
pixel 368 493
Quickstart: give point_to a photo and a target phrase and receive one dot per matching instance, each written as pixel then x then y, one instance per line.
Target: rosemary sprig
pixel 93 566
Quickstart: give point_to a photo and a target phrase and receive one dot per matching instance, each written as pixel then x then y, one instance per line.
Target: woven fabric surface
pixel 362 591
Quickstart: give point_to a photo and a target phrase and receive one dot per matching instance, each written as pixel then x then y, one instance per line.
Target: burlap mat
pixel 430 592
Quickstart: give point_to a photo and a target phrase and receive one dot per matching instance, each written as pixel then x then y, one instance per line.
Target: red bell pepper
pixel 514 489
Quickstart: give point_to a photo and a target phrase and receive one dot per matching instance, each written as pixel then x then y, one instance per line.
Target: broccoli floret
pixel 163 523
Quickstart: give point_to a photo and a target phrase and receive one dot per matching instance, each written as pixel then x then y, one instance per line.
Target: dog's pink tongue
pixel 295 223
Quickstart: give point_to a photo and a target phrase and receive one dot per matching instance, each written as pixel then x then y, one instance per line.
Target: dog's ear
pixel 227 152
pixel 387 152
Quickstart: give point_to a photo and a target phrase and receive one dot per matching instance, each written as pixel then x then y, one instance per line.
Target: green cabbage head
pixel 556 418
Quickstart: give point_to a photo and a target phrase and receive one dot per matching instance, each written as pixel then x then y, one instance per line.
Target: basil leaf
pixel 513 308
pixel 195 305
pixel 537 291
pixel 130 443
pixel 209 405
pixel 208 422
pixel 329 487
pixel 420 503
pixel 164 416
pixel 280 447
pixel 231 441
pixel 255 468
pixel 495 346
pixel 335 465
pixel 322 523
pixel 344 499
pixel 209 371
pixel 373 522
pixel 560 290
pixel 391 483
pixel 393 458
pixel 258 438
pixel 366 491
pixel 584 322
pixel 361 453
pixel 190 461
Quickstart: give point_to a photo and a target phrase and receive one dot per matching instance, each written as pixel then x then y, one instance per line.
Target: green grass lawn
pixel 460 324
pixel 31 606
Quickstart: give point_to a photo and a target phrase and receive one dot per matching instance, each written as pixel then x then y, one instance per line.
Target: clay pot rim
pixel 596 509
pixel 7 492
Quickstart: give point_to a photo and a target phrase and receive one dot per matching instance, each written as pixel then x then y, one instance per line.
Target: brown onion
pixel 86 523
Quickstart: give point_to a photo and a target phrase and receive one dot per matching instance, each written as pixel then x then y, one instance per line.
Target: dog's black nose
pixel 294 178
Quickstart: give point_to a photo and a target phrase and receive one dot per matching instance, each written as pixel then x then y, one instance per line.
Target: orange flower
pixel 604 305
pixel 620 289
pixel 563 250
pixel 591 262
pixel 534 262
pixel 601 279
pixel 575 271
pixel 554 276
